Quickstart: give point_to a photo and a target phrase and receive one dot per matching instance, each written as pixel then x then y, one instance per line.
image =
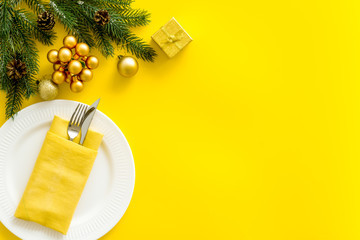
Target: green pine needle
pixel 135 17
pixel 118 5
pixel 14 99
pixel 103 41
pixel 36 5
pixel 28 22
pixel 138 47
pixel 72 24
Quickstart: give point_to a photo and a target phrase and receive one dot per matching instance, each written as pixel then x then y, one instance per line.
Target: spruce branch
pixel 36 5
pixel 25 45
pixel 103 41
pixel 29 84
pixel 14 99
pixel 24 48
pixel 123 38
pixel 66 16
pixel 28 23
pixel 5 58
pixel 118 5
pixel 5 46
pixel 135 17
pixel 5 19
pixel 138 47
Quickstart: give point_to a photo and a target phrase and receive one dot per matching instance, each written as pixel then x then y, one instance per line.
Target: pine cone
pixel 102 17
pixel 16 69
pixel 46 21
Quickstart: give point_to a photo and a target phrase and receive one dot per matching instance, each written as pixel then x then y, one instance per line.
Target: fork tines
pixel 77 115
pixel 75 122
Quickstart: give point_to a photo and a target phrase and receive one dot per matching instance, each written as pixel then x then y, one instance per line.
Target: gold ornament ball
pixel 76 86
pixel 58 77
pixel 52 56
pixel 47 89
pixel 92 62
pixel 56 66
pixel 74 67
pixel 65 54
pixel 86 75
pixel 82 49
pixel 127 66
pixel 70 42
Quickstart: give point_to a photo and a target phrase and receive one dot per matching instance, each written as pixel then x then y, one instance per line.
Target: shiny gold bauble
pixel 127 66
pixel 65 54
pixel 74 67
pixel 70 42
pixel 82 49
pixel 86 75
pixel 58 77
pixel 92 62
pixel 52 56
pixel 76 86
pixel 56 66
pixel 47 89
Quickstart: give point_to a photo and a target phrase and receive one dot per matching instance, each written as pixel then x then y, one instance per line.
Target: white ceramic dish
pixel 108 190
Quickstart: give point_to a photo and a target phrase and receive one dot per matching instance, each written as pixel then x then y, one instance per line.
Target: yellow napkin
pixel 58 178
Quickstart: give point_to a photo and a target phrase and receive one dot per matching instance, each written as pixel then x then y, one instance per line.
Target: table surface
pixel 251 132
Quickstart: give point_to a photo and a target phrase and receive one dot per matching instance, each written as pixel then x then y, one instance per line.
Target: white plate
pixel 108 190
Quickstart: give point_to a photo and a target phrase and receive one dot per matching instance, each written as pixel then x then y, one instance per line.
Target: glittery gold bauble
pixel 127 66
pixel 86 75
pixel 74 67
pixel 82 49
pixel 52 56
pixel 58 77
pixel 56 66
pixel 76 86
pixel 70 42
pixel 65 54
pixel 47 89
pixel 92 62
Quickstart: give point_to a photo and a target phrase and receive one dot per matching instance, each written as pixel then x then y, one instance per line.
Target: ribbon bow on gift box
pixel 173 38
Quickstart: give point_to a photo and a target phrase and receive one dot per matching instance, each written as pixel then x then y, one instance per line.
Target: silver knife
pixel 86 123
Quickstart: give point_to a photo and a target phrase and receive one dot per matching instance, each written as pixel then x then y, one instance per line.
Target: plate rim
pixel 102 229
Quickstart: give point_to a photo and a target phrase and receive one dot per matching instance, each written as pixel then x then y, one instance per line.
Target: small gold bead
pixel 82 49
pixel 70 42
pixel 65 54
pixel 52 56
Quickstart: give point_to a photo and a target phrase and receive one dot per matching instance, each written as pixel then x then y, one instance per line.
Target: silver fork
pixel 74 126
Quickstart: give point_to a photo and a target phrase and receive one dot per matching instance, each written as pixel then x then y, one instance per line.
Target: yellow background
pixel 251 132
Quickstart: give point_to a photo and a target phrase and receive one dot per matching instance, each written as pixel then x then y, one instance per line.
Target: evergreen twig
pixel 37 5
pixel 14 99
pixel 66 16
pixel 28 23
pixel 135 17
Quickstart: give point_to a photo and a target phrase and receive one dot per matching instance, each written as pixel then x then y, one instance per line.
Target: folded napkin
pixel 58 178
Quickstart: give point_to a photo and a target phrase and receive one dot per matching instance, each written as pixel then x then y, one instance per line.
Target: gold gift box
pixel 171 38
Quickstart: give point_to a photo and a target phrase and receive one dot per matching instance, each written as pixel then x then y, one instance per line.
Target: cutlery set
pixel 80 121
